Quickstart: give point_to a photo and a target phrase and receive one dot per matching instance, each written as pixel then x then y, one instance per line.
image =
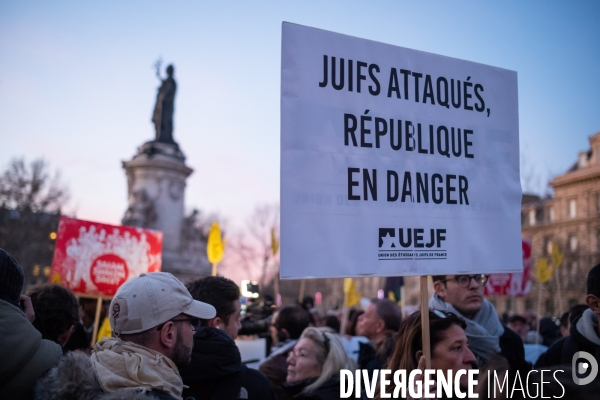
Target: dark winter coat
pixel 74 379
pixel 511 348
pixel 217 372
pixel 329 390
pixel 367 358
pixel 376 353
pixel 24 355
pixel 275 368
pixel 561 352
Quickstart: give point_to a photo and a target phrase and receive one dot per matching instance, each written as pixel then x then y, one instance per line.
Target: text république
pixel 368 132
pixel 450 142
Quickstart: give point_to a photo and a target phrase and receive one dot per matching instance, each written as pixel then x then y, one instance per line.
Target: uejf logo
pixel 408 238
pixel 387 238
pixel 580 368
pixel 411 244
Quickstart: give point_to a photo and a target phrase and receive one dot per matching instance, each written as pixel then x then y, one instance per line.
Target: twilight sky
pixel 77 84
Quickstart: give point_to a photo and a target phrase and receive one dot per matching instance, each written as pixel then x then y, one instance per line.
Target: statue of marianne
pixel 163 111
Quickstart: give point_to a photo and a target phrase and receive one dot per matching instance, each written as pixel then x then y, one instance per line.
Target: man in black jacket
pixel 287 326
pixel 463 296
pixel 585 330
pixel 216 370
pixel 379 323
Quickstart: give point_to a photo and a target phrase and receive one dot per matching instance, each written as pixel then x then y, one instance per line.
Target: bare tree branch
pixel 30 188
pixel 250 250
pixel 31 199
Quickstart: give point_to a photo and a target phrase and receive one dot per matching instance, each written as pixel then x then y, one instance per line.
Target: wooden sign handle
pixel 425 321
pixel 96 321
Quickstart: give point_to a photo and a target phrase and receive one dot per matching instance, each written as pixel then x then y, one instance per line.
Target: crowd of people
pixel 172 341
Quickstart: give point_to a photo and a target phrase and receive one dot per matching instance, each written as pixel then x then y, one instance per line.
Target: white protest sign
pixel 395 161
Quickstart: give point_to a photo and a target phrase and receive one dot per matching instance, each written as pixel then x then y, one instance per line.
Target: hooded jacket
pixel 217 372
pixel 582 338
pixel 24 355
pixel 122 364
pixel 74 379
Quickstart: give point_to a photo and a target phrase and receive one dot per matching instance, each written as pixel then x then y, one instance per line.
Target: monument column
pixel 156 185
pixel 156 178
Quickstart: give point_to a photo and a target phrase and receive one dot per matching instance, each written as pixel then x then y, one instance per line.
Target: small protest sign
pixel 394 161
pixel 94 259
pixel 215 245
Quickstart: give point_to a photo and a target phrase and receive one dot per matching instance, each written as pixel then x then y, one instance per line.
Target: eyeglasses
pixel 194 323
pixel 465 280
pixel 442 314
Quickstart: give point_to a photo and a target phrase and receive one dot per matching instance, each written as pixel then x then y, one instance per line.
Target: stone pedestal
pixel 156 178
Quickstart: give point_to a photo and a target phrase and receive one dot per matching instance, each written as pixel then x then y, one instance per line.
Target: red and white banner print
pixel 515 284
pixel 95 259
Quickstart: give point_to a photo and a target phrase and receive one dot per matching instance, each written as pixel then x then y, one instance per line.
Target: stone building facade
pixel 569 219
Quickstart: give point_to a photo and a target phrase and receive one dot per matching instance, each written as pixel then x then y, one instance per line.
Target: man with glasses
pixel 463 296
pixel 153 318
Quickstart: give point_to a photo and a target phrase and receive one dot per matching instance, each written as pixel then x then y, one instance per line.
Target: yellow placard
pixel 544 273
pixel 104 331
pixel 55 278
pixel 557 256
pixel 274 242
pixel 352 297
pixel 215 246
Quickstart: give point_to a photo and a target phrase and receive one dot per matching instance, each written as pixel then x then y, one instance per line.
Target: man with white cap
pixel 153 317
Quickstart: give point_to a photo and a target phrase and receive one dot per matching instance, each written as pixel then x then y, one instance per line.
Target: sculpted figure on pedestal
pixel 163 110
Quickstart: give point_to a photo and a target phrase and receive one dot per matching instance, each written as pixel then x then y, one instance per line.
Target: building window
pixel 551 214
pixel 573 273
pixel 547 246
pixel 528 304
pixel 532 217
pixel 582 159
pixel 573 243
pixel 572 208
pixel 508 305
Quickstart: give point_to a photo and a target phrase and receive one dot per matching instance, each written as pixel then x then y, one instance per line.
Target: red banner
pixel 516 284
pixel 95 259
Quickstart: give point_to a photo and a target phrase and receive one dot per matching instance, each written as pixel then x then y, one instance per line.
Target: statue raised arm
pixel 163 111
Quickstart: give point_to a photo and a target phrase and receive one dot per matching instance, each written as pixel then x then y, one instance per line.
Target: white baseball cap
pixel 151 299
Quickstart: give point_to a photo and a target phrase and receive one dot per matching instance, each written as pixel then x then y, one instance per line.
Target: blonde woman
pixel 314 366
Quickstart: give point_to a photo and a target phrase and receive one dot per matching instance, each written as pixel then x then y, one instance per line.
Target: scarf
pixel 483 330
pixel 586 325
pixel 118 364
